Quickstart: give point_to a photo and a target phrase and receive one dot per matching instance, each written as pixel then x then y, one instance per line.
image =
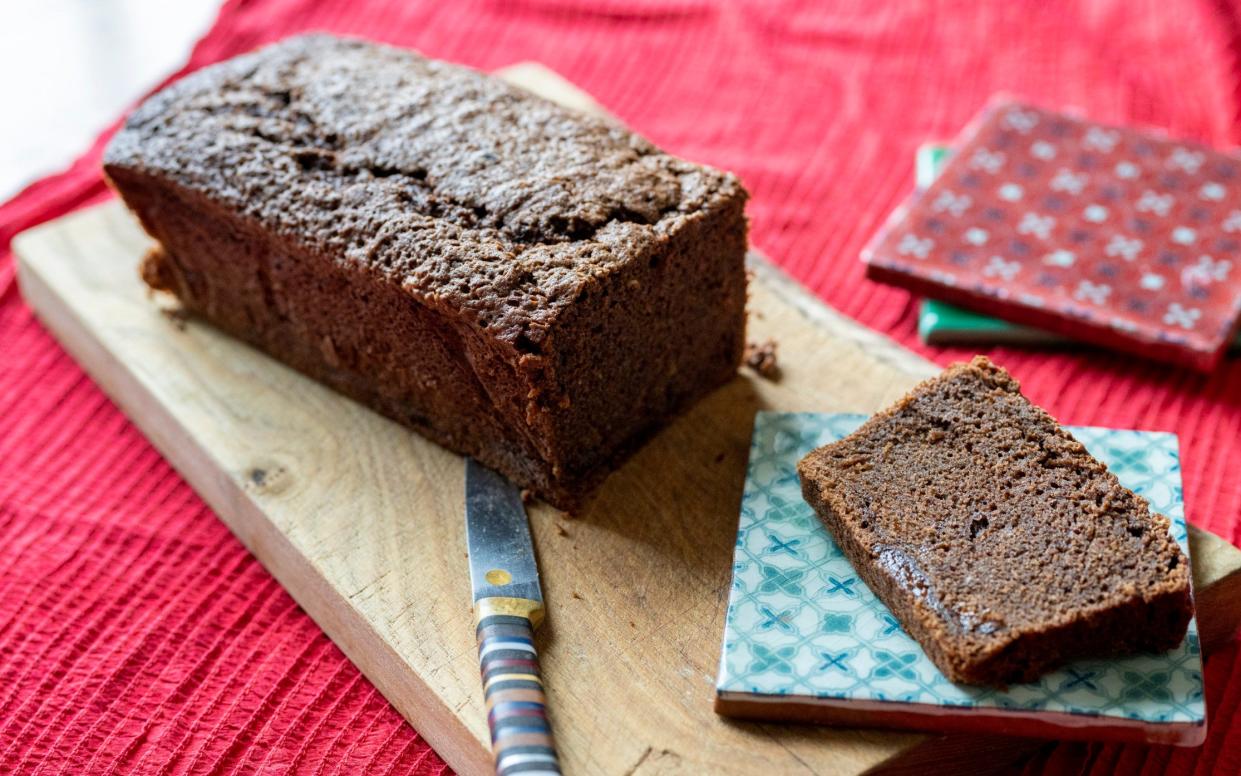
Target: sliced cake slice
pixel 1004 548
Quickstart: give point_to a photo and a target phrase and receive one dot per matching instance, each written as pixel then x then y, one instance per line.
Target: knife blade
pixel 508 606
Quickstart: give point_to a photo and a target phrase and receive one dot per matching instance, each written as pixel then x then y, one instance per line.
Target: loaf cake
pixel 1002 546
pixel 524 284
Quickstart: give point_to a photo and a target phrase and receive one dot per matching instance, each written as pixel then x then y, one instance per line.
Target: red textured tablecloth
pixel 137 636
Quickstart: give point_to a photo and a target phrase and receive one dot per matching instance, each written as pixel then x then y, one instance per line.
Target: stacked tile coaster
pixel 941 323
pixel 1109 235
pixel 805 639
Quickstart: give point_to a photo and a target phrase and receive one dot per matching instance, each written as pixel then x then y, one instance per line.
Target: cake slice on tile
pixel 1004 548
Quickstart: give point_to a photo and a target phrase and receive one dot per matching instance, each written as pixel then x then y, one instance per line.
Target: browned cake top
pixel 990 512
pixel 473 194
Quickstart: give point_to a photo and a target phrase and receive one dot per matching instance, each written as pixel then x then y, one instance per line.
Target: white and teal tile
pixel 802 625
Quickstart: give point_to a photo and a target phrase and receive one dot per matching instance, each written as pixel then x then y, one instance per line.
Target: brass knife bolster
pixel 517 607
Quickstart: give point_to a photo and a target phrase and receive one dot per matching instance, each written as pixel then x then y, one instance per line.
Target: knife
pixel 508 606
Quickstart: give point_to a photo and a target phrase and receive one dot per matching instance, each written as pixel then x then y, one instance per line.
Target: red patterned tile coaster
pixel 1113 235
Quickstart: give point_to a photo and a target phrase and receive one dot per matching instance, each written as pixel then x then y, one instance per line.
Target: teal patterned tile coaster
pixel 803 628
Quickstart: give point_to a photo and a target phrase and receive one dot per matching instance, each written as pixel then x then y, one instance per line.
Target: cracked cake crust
pixel 535 287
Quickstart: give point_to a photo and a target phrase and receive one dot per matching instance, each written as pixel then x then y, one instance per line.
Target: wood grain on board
pixel 362 520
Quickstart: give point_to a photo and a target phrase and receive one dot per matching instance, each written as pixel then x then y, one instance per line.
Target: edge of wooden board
pixel 333 612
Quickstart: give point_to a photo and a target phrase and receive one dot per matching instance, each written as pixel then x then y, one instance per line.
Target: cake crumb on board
pixel 762 358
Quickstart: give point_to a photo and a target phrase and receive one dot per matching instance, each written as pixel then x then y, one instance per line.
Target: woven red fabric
pixel 137 636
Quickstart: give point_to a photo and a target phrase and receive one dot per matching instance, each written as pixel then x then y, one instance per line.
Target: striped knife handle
pixel 521 736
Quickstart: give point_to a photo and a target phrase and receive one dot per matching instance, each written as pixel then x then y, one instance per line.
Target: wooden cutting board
pixel 362 520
